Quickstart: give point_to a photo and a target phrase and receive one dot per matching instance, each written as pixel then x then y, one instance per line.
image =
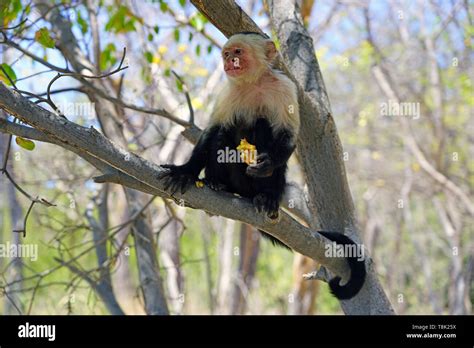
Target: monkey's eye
pixel 226 54
pixel 238 51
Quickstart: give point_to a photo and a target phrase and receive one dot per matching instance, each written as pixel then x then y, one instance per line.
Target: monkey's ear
pixel 270 50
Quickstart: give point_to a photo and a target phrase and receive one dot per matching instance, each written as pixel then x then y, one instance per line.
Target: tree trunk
pixel 319 148
pixel 13 304
pixel 304 292
pixel 242 282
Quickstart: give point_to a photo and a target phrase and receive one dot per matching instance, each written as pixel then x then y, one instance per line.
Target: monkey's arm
pixel 181 176
pixel 273 150
pixel 282 148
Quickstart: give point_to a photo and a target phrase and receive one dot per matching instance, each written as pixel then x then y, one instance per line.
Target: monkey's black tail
pixel 357 267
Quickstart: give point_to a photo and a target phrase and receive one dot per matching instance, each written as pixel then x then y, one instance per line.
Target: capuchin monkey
pixel 258 108
pixel 257 104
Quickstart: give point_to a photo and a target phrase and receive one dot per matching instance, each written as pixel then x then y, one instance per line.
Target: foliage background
pixel 420 235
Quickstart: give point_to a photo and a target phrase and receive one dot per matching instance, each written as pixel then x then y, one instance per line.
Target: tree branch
pixel 138 173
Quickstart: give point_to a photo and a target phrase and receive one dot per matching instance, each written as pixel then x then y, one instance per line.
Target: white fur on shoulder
pixel 273 96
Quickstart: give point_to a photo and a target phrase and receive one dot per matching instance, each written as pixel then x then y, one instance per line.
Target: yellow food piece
pixel 199 184
pixel 248 152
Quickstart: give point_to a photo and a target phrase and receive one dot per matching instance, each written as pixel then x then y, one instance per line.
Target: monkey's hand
pixel 176 177
pixel 263 168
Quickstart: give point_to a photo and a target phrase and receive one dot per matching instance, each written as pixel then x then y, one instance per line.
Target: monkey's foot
pixel 266 203
pixel 176 177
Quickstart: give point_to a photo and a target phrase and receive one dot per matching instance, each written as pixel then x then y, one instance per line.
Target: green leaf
pixel 82 23
pixel 198 21
pixel 190 38
pixel 107 56
pixel 167 72
pixel 179 85
pixel 122 20
pixel 203 18
pixel 9 72
pixel 129 26
pixel 44 38
pixel 27 144
pixel 156 29
pixel 163 6
pixel 146 76
pixel 9 10
pixel 114 21
pixel 176 35
pixel 150 37
pixel 209 49
pixel 198 50
pixel 182 3
pixel 149 56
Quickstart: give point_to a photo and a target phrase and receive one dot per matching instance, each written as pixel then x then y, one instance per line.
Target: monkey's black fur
pixel 263 183
pixel 357 267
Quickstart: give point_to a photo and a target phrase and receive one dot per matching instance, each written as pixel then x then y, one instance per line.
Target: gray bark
pixel 148 267
pixel 321 154
pixel 99 229
pixel 121 167
pixel 249 251
pixel 171 261
pixel 319 149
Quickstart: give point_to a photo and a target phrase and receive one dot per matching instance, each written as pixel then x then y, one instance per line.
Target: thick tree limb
pixel 319 147
pixel 322 155
pixel 136 172
pixel 216 10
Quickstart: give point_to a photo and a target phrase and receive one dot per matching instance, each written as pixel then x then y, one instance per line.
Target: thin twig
pixel 16 26
pixel 26 194
pixel 186 93
pixel 62 90
pixel 37 286
pixel 23 230
pixel 6 154
pixel 12 302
